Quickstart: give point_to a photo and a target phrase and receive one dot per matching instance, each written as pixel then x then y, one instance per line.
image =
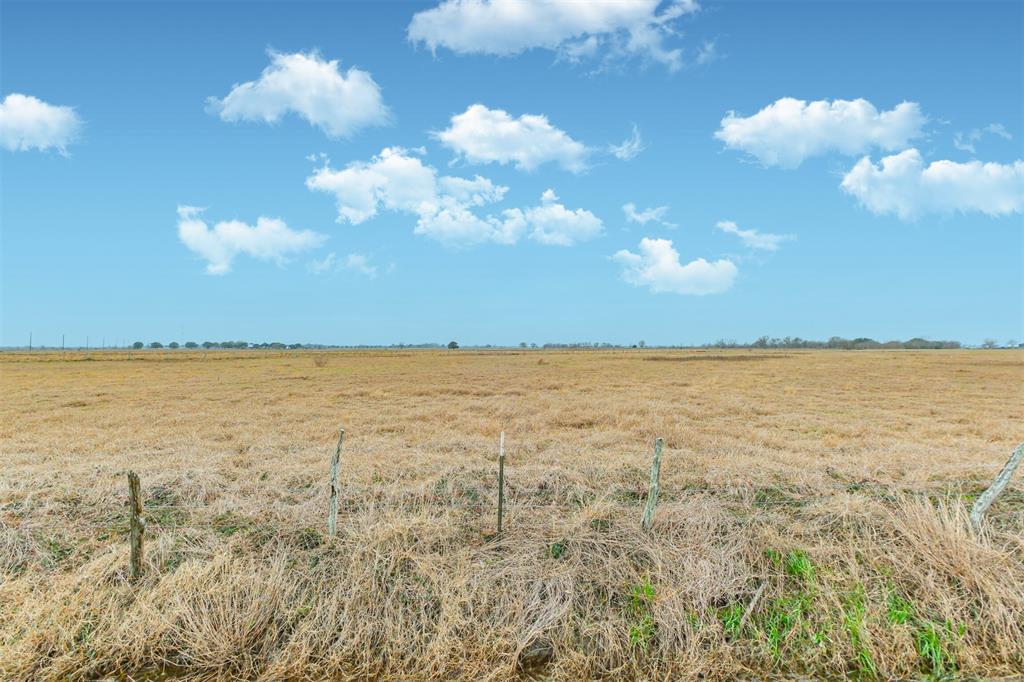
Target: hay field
pixel 812 517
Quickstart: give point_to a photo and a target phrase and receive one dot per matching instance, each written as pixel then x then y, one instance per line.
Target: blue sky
pixel 98 238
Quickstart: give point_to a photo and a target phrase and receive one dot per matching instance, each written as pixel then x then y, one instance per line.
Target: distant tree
pixel 173 344
pixel 138 345
pixel 208 344
pixel 989 343
pixel 1011 343
pixel 156 344
pixel 522 344
pixel 642 344
pixel 191 344
pixel 452 345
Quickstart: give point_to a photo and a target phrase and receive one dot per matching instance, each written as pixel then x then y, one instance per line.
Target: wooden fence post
pixel 652 495
pixel 332 513
pixel 138 524
pixel 501 481
pixel 986 499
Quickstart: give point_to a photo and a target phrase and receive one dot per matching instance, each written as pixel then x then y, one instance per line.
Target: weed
pixel 799 565
pixel 731 616
pixel 229 523
pixel 557 549
pixel 854 611
pixel 642 629
pixel 933 643
pixel 59 551
pixel 899 611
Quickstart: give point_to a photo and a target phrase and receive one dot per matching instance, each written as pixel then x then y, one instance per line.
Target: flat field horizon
pixel 811 518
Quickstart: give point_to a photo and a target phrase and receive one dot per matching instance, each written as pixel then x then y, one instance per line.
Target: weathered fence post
pixel 137 523
pixel 501 481
pixel 652 495
pixel 332 514
pixel 986 499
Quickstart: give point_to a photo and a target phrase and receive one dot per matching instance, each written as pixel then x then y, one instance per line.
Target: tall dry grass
pixel 831 485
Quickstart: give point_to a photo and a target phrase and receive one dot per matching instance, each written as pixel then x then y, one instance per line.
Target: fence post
pixel 138 524
pixel 501 481
pixel 332 513
pixel 652 495
pixel 986 499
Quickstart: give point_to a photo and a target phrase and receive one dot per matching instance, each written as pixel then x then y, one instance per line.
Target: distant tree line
pixel 792 342
pixel 836 342
pixel 274 345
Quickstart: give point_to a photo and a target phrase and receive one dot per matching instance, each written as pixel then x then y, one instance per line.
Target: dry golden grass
pixel 838 481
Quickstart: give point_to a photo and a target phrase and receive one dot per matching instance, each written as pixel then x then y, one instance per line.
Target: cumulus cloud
pixel 611 29
pixel 30 123
pixel 656 214
pixel 311 87
pixel 445 206
pixel 482 135
pixel 903 185
pixel 965 141
pixel 270 239
pixel 764 241
pixel 553 224
pixel 657 267
pixel 788 131
pixel 629 148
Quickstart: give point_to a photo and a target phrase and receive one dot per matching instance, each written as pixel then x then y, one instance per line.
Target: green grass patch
pixel 639 605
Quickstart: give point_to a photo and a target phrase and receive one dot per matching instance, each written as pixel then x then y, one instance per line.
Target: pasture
pixel 812 515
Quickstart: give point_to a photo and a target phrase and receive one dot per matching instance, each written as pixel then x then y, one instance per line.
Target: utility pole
pixel 62 343
pixel 30 340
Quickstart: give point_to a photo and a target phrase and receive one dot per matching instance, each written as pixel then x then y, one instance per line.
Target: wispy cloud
pixel 629 148
pixel 656 214
pixel 965 141
pixel 764 241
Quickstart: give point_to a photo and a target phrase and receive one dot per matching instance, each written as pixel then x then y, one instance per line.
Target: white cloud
pixel 657 267
pixel 482 135
pixel 629 147
pixel 553 224
pixel 656 214
pixel 269 240
pixel 326 264
pixel 965 142
pixel 445 206
pixel 765 241
pixel 398 180
pixel 30 123
pixel 575 30
pixel 707 53
pixel 356 262
pixel 904 186
pixel 788 131
pixel 315 89
pixel 361 264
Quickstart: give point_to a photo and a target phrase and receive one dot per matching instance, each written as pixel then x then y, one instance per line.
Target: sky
pixel 506 171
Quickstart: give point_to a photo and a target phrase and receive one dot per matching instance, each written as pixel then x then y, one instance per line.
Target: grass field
pixel 812 517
